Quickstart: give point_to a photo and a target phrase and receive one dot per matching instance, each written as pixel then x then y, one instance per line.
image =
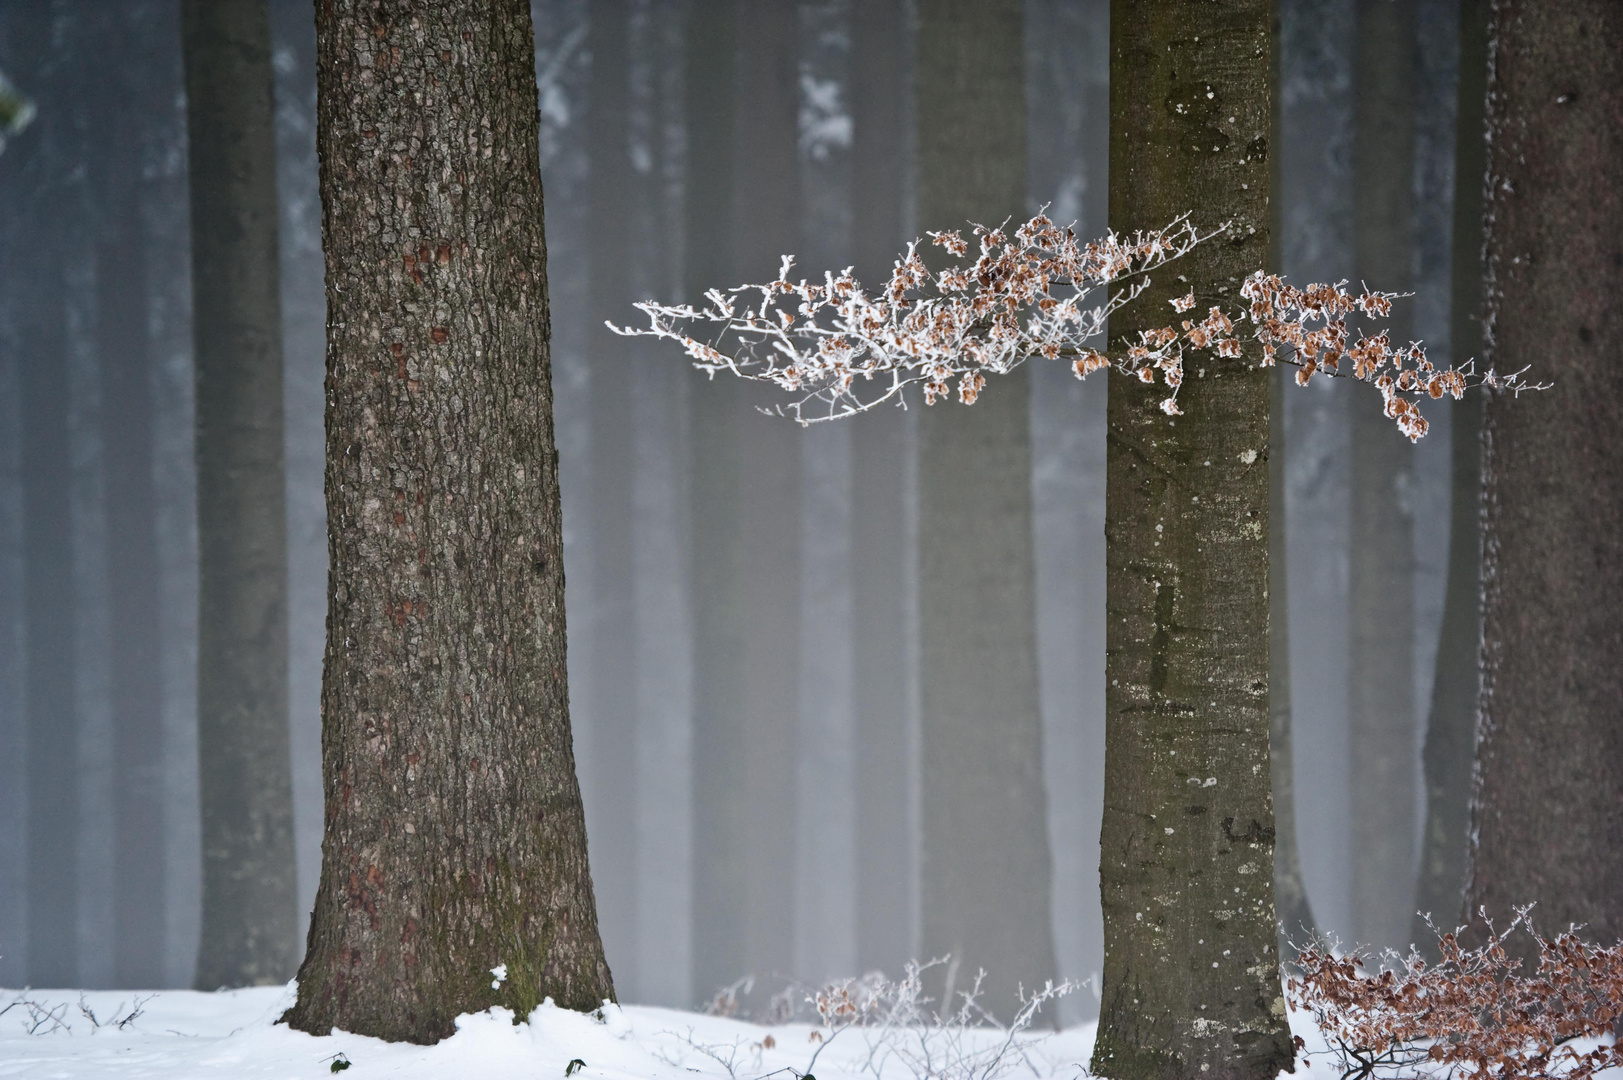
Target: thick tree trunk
pixel 1547 814
pixel 768 227
pixel 720 815
pixel 134 668
pixel 455 839
pixel 1381 713
pixel 984 864
pixel 885 861
pixel 1291 905
pixel 613 628
pixel 1451 727
pixel 249 933
pixel 1191 978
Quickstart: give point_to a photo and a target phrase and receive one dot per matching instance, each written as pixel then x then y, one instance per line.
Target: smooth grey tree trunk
pixel 886 863
pixel 1381 709
pixel 612 626
pixel 249 931
pixel 1191 977
pixel 1547 813
pixel 134 640
pixel 1291 905
pixel 1451 724
pixel 50 695
pixel 984 864
pixel 768 209
pixel 39 161
pixel 720 814
pixel 455 837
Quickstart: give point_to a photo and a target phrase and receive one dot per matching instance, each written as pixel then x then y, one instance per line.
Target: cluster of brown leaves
pixel 1473 1012
pixel 840 350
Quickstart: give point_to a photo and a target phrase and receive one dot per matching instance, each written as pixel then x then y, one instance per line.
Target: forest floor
pixel 186 1035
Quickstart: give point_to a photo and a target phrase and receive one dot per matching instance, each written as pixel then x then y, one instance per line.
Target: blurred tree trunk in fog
pixel 1381 539
pixel 885 861
pixel 1068 105
pixel 1291 906
pixel 1451 726
pixel 721 858
pixel 612 815
pixel 38 165
pixel 455 836
pixel 132 541
pixel 249 933
pixel 768 216
pixel 1547 814
pixel 985 864
pixel 1191 977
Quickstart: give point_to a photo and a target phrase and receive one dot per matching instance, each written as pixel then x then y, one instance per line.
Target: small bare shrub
pixel 1474 1013
pixel 900 1030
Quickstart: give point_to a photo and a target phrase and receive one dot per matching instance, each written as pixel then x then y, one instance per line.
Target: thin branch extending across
pixel 838 351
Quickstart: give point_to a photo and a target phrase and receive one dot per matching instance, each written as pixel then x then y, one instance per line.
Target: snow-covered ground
pixel 185 1035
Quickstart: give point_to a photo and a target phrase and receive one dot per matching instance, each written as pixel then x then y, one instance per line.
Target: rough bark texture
pixel 885 864
pixel 1191 976
pixel 613 627
pixel 720 815
pixel 455 840
pixel 1291 905
pixel 1547 815
pixel 1451 725
pixel 768 227
pixel 984 863
pixel 1381 712
pixel 250 933
pixel 134 666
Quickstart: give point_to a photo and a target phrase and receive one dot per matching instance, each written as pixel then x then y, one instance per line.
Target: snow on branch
pixel 1038 291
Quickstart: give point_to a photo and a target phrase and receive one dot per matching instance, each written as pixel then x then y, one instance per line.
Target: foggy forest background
pixel 98 592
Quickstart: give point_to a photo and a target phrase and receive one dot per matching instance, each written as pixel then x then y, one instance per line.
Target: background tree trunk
pixel 249 933
pixel 1381 708
pixel 1291 905
pixel 134 638
pixel 455 837
pixel 38 163
pixel 768 217
pixel 1451 725
pixel 50 696
pixel 720 854
pixel 885 861
pixel 612 815
pixel 1191 978
pixel 984 864
pixel 1547 814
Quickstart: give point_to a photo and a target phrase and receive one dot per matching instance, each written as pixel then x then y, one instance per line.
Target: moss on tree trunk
pixel 1191 977
pixel 455 840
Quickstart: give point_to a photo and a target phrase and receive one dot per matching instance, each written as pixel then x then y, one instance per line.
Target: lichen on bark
pixel 455 840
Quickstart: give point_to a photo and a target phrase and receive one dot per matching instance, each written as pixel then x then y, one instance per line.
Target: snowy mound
pixel 182 1035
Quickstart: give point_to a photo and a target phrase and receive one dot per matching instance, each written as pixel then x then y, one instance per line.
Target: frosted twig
pixel 837 351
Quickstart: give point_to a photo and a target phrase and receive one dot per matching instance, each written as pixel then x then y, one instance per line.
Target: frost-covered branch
pixel 1038 292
